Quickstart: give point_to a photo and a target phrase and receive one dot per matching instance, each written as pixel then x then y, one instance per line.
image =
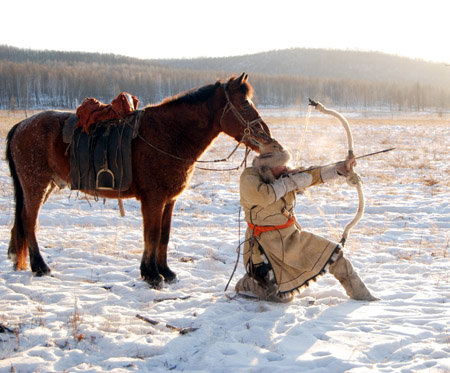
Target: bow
pixel 353 178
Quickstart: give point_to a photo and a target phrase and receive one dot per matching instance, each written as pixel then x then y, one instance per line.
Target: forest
pixel 31 79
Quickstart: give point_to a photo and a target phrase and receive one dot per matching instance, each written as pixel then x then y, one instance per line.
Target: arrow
pixel 334 163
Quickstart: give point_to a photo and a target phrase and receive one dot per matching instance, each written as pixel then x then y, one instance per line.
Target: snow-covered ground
pixel 84 316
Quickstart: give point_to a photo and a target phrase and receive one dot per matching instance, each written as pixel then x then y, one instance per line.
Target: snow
pixel 83 318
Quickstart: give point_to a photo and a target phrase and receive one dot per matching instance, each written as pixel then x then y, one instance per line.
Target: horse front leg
pixel 161 258
pixel 151 216
pixel 37 262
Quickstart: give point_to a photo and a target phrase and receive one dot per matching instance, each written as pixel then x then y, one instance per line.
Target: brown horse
pixel 172 136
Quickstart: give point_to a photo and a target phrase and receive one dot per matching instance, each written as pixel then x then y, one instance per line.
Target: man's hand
pixel 344 167
pixel 278 171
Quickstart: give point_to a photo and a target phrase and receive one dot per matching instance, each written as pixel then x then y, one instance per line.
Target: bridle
pixel 250 131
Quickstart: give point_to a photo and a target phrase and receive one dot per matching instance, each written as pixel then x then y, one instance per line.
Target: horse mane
pixel 193 96
pixel 202 94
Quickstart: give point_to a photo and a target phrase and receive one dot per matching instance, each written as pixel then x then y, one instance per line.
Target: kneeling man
pixel 279 256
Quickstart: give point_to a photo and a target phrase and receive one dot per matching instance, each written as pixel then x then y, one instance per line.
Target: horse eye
pixel 246 105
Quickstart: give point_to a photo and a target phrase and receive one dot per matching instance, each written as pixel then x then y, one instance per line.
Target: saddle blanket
pixel 101 159
pixel 92 110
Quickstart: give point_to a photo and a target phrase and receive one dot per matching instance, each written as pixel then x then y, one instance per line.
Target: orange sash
pixel 258 229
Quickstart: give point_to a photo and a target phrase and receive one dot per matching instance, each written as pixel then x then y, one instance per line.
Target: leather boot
pixel 342 269
pixel 268 293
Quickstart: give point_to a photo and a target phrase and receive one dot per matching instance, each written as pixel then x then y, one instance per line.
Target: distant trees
pixel 284 90
pixel 32 79
pixel 63 85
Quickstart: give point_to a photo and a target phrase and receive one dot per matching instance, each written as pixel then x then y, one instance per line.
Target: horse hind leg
pixel 23 234
pixel 18 247
pixel 33 203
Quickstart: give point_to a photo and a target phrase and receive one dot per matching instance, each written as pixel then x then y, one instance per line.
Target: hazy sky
pixel 193 28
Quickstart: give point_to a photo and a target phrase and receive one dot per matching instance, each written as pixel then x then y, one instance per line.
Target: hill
pixel 19 55
pixel 326 64
pixel 42 79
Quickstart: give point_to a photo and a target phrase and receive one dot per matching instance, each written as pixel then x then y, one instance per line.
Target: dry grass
pixel 417 148
pixel 429 181
pixel 421 142
pixel 10 118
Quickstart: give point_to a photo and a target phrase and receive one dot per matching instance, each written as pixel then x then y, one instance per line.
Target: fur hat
pixel 271 155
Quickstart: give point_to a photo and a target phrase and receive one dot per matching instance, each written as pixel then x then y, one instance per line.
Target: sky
pixel 209 28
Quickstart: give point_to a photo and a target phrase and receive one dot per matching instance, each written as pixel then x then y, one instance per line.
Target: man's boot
pixel 268 292
pixel 342 269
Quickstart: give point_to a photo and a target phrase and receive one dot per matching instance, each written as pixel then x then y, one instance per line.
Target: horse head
pixel 240 119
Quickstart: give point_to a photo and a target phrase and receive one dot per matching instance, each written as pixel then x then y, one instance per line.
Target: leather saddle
pixel 101 159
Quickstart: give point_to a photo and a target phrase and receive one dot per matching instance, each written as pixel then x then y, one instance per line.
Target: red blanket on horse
pixel 93 111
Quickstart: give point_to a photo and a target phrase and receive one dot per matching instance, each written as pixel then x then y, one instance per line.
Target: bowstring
pixel 302 139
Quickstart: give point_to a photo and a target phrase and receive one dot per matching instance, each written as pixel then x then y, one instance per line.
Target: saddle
pixel 101 158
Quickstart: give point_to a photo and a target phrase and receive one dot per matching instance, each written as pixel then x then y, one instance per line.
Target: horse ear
pixel 242 79
pixel 239 81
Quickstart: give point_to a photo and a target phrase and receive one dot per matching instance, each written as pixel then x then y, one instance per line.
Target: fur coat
pixel 296 256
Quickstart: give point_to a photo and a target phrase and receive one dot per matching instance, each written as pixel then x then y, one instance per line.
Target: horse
pixel 172 136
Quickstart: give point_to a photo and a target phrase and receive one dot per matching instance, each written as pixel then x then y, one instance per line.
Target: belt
pixel 258 229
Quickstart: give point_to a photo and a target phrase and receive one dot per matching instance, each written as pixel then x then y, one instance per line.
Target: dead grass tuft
pixel 74 322
pixel 429 181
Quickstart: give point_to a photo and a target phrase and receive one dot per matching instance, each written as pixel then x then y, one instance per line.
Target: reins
pixel 186 159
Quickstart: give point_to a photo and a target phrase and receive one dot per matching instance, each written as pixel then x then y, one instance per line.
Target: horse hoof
pixel 13 259
pixel 12 255
pixel 42 271
pixel 169 276
pixel 154 282
pixel 171 280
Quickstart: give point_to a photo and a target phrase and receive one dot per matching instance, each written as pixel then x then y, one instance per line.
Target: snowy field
pixel 83 318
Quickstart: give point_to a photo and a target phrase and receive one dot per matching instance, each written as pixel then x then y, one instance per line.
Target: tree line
pixel 39 83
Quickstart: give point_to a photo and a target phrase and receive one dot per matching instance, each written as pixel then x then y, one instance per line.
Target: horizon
pixel 213 57
pixel 203 29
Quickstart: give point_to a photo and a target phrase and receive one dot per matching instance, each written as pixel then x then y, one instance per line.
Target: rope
pixel 238 250
pixel 183 159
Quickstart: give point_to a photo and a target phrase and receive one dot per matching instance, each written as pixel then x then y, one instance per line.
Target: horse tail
pixel 18 191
